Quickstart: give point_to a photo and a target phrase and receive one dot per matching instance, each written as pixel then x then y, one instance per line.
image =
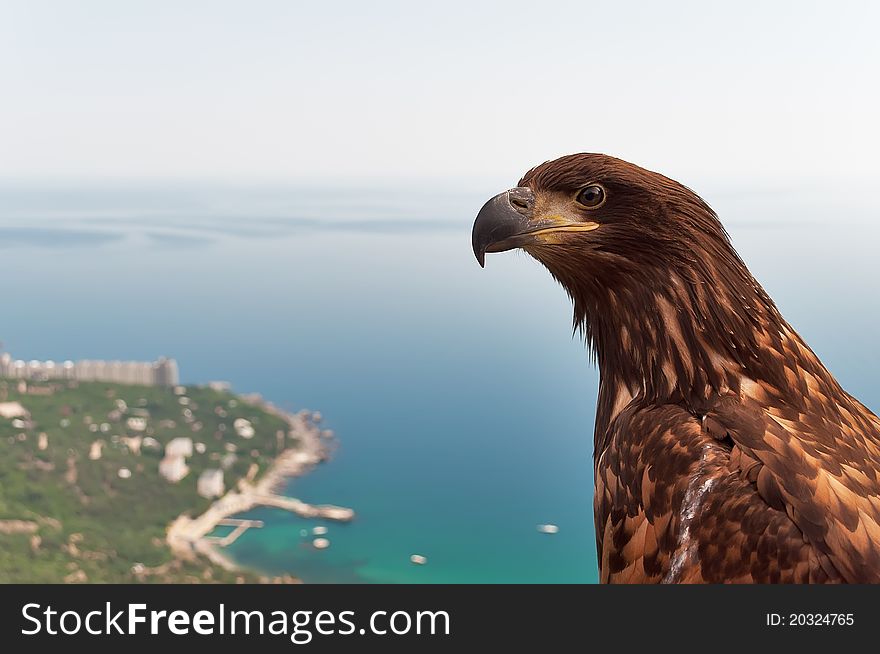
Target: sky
pixel 284 91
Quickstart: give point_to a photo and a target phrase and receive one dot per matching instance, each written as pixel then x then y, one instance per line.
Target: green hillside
pixel 65 516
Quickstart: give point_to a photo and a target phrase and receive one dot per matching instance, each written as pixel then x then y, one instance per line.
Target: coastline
pixel 187 537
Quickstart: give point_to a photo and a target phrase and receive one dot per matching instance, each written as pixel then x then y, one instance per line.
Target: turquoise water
pixel 462 404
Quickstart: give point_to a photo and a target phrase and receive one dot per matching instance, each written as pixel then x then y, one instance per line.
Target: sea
pixel 462 402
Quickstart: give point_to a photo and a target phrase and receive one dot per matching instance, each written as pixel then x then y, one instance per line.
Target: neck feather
pixel 684 336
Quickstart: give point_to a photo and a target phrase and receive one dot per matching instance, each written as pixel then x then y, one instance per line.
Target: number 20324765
pixel 810 619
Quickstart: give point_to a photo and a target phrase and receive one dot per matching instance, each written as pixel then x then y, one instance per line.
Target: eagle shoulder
pixel 673 505
pixel 819 461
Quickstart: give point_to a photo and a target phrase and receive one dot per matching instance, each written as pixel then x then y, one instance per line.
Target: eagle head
pixel 601 215
pixel 659 291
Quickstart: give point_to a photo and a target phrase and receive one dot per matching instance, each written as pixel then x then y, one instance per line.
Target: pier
pixel 241 526
pixel 191 534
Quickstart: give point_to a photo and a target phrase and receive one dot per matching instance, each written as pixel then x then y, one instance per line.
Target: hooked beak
pixel 508 221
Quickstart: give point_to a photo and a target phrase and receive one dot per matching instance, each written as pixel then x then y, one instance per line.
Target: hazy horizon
pixel 272 91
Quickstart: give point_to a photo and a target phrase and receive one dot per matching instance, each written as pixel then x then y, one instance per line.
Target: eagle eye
pixel 591 196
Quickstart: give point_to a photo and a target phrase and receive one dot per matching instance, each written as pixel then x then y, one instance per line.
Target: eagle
pixel 724 450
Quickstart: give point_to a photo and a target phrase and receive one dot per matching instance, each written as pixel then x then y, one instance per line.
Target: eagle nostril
pixel 521 197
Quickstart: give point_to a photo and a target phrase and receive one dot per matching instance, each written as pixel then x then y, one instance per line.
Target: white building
pixel 179 447
pixel 173 468
pixel 136 424
pixel 163 372
pixel 11 410
pixel 244 428
pixel 210 483
pixel 166 373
